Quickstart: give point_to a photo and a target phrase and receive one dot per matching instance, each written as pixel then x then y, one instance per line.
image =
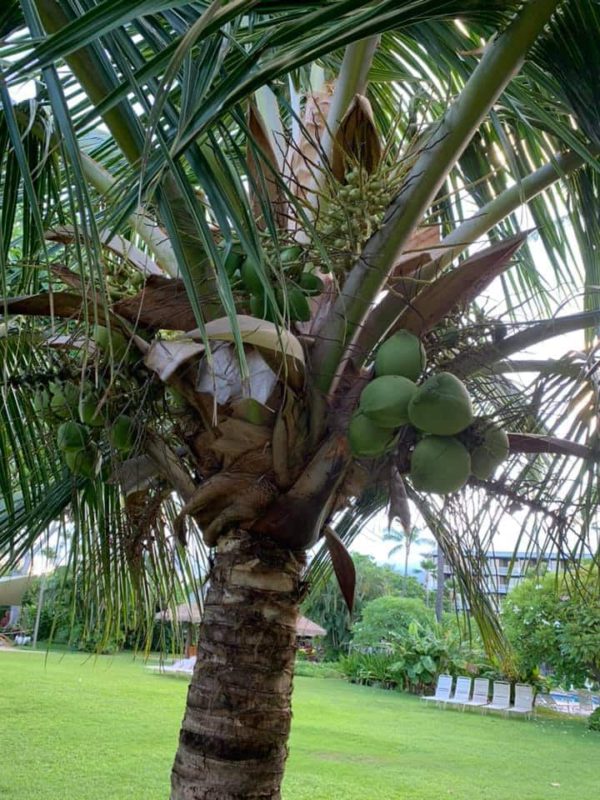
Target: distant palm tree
pixel 394 535
pixel 404 539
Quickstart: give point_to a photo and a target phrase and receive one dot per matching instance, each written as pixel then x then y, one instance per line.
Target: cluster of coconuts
pixel 83 423
pixel 299 279
pixel 78 436
pixel 78 443
pixel 451 443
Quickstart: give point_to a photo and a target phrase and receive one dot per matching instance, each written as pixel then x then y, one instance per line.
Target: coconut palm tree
pixel 394 535
pixel 405 539
pixel 440 580
pixel 213 214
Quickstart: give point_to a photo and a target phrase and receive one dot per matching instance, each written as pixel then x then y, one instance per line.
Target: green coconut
pixel 385 400
pixel 439 464
pixel 251 277
pixel 311 284
pixel 491 448
pixel 58 403
pixel 89 413
pixel 233 261
pixel 83 462
pixel 71 437
pixel 402 354
pixel 441 405
pixel 122 434
pixel 368 440
pixel 105 338
pixel 262 307
pixel 291 254
pixel 295 302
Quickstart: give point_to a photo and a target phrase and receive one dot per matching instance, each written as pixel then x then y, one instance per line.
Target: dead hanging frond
pixel 343 566
pixel 142 512
pixel 399 507
pixel 457 287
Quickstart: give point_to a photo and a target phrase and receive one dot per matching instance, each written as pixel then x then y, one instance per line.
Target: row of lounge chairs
pixel 469 693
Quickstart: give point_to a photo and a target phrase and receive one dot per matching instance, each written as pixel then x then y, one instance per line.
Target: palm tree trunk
pixel 439 591
pixel 233 740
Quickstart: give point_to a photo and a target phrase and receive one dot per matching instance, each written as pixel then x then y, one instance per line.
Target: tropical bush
pixel 594 720
pixel 370 668
pixel 422 655
pixel 388 617
pixel 326 606
pixel 555 624
pixel 316 669
pixel 415 656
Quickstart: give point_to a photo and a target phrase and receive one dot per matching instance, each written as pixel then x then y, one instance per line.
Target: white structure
pixel 503 570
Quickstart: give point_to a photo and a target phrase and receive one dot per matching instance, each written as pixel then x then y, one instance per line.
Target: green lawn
pixel 105 729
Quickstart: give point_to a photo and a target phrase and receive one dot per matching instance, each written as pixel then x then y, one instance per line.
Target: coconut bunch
pixel 292 285
pixel 81 449
pixel 451 444
pixel 84 425
pixel 122 280
pixel 89 421
pixel 124 266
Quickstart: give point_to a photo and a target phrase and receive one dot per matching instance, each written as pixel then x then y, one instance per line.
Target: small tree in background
pixel 405 540
pixel 551 623
pixel 388 617
pixel 326 605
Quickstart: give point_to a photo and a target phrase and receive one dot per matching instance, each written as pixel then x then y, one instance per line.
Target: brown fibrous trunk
pixel 233 740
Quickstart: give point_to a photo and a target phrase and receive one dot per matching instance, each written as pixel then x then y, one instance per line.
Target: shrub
pixel 370 668
pixel 594 720
pixel 413 658
pixel 423 653
pixel 389 616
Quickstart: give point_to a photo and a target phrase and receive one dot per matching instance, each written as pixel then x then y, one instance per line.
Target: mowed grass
pixel 73 728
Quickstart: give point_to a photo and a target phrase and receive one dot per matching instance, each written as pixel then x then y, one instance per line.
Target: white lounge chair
pixel 523 700
pixel 481 692
pixel 500 698
pixel 442 689
pixel 462 692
